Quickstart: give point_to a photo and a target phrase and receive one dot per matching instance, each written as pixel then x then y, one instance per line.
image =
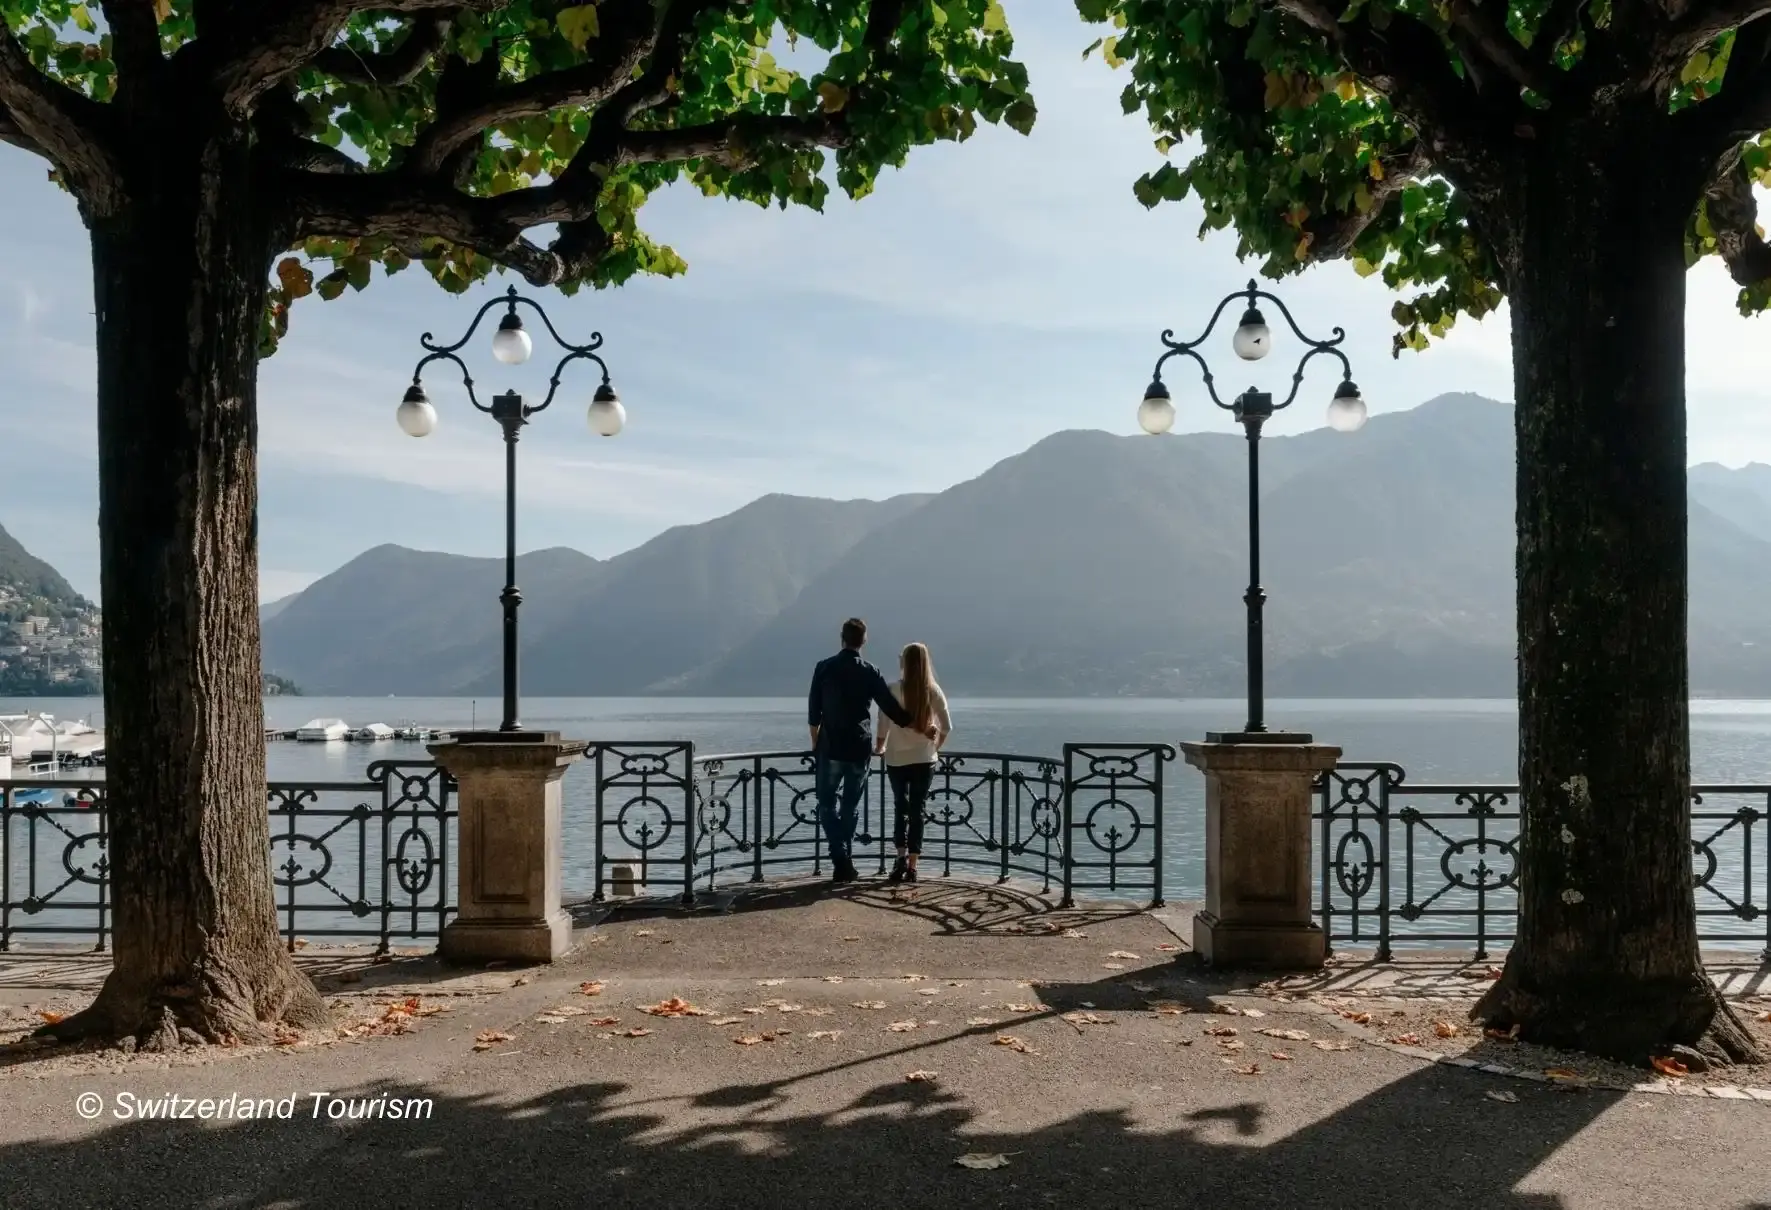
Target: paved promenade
pixel 849 1050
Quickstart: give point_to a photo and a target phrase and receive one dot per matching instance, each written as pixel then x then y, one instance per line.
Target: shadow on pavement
pixel 1426 1140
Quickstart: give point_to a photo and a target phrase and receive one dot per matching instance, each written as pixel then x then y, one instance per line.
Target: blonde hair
pixel 919 679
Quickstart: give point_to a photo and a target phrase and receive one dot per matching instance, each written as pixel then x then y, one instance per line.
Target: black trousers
pixel 910 791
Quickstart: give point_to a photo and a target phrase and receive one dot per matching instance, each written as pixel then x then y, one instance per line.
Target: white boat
pixel 372 733
pixel 322 730
pixel 39 738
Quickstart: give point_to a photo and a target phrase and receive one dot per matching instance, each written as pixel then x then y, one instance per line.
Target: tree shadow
pixel 1425 1140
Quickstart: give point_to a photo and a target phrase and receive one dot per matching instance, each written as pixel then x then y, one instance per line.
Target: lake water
pixel 1434 740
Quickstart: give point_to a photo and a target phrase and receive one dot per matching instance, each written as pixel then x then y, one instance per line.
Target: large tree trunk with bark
pixel 1606 958
pixel 180 279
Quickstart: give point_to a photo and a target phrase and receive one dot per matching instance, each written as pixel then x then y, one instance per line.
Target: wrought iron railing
pixel 1422 865
pixel 1087 822
pixel 368 860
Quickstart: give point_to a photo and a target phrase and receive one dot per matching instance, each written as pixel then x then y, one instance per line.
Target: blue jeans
pixel 850 778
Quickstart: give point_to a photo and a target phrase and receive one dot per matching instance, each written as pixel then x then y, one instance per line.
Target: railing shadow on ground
pixel 1427 1138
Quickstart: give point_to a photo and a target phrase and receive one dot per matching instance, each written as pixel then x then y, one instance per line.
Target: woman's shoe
pixel 900 871
pixel 909 872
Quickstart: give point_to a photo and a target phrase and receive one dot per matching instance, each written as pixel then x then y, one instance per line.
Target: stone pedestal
pixel 509 851
pixel 1257 854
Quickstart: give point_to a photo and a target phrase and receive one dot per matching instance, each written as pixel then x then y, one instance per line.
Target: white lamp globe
pixel 607 416
pixel 510 344
pixel 1156 414
pixel 415 414
pixel 1252 340
pixel 1346 414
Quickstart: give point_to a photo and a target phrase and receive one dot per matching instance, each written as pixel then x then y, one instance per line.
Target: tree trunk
pixel 1606 958
pixel 180 279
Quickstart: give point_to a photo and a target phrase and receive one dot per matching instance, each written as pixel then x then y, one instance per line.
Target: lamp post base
pixel 524 736
pixel 1259 737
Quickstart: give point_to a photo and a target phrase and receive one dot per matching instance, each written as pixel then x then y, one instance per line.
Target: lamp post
pixel 1346 413
pixel 512 346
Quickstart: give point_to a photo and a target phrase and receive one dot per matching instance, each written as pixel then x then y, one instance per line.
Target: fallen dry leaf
pixel 851 938
pixel 1666 1065
pixel 982 1160
pixel 1562 1073
pixel 593 988
pixel 51 1018
pixel 914 978
pixel 723 1021
pixel 522 980
pixel 1502 1035
pixel 301 943
pixel 975 1021
pixel 1279 1054
pixel 789 1008
pixel 1405 1040
pixel 1326 1045
pixel 1226 1010
pixel 1143 989
pixel 1445 1029
pixel 1288 1035
pixel 1075 934
pixel 929 991
pixel 642 932
pixel 1253 1012
pixel 1166 948
pixel 901 1027
pixel 869 1004
pixel 676 1006
pixel 831 1034
pixel 1495 1094
pixel 488 1038
pixel 1230 1045
pixel 1013 1043
pixel 638 1031
pixel 1221 1031
pixel 819 1012
pixel 751 1040
pixel 755 1012
pixel 1253 1069
pixel 1113 966
pixel 1492 972
pixel 604 1022
pixel 1021 1008
pixel 1126 955
pixel 770 982
pixel 920 1077
pixel 1087 1019
pixel 833 978
pixel 1356 1018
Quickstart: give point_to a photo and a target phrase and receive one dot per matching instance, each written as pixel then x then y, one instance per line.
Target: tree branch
pixel 11 132
pixel 262 41
pixel 1481 29
pixel 1702 23
pixel 629 33
pixel 135 42
pixel 424 37
pixel 1742 110
pixel 1333 235
pixel 1734 215
pixel 1406 62
pixel 70 130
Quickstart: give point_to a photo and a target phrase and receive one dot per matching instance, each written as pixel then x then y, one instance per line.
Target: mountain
pixel 30 577
pixel 1089 564
pixel 416 622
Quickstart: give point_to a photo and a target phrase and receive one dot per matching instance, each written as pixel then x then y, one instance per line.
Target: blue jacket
pixel 845 688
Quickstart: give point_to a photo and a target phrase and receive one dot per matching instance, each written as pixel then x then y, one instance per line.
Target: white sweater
pixel 906 747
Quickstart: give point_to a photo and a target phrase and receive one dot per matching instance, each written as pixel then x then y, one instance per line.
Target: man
pixel 845 687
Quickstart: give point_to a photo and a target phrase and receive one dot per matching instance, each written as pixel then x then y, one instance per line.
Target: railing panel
pixel 1438 865
pixel 1113 819
pixel 369 860
pixel 646 814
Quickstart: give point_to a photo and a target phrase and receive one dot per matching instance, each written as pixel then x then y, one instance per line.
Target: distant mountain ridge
pixel 1089 564
pixel 28 576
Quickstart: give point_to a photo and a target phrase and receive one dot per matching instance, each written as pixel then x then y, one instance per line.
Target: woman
pixel 910 753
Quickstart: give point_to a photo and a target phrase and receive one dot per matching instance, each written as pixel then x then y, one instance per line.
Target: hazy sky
pixel 990 293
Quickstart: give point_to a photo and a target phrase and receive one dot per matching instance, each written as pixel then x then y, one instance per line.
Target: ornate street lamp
pixel 512 346
pixel 1346 413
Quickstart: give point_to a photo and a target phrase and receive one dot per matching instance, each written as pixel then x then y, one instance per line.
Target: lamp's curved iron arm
pixel 1252 294
pixel 511 300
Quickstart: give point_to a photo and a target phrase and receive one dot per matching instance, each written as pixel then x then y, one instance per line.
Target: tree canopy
pixel 1379 131
pixel 440 131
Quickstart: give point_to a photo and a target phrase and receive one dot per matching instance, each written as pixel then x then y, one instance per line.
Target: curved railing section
pixel 1438 865
pixel 1086 822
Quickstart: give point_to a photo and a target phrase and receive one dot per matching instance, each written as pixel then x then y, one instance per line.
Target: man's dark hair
pixel 854 633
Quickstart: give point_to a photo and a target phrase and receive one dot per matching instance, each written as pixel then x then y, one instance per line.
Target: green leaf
pixel 578 24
